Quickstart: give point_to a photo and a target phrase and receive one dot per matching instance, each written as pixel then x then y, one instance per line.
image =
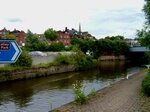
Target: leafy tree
pixel 84 44
pixel 83 61
pixel 51 34
pixel 11 36
pixel 33 43
pixel 114 45
pixel 146 9
pixel 119 37
pixel 76 41
pixel 56 47
pixel 144 34
pixel 109 47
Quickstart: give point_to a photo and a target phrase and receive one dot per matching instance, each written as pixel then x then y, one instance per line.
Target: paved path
pixel 120 97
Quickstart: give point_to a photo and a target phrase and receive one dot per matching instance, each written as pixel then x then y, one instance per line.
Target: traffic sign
pixel 9 51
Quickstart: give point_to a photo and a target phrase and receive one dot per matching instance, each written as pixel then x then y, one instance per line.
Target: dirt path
pixel 121 97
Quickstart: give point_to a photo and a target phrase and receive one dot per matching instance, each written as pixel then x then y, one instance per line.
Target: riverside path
pixel 123 96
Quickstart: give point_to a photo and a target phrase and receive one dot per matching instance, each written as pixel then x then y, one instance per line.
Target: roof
pixel 139 49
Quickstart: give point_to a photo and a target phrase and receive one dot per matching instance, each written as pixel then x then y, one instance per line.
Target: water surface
pixel 46 93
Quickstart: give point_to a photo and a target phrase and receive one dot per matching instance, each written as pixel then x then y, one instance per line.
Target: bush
pixel 79 59
pixel 80 96
pixel 83 61
pixel 24 60
pixel 146 85
pixel 64 60
pixel 56 47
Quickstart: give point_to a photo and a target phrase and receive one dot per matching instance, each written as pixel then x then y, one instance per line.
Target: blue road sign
pixel 9 51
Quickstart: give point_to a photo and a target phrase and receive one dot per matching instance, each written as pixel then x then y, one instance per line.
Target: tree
pixel 56 47
pixel 146 10
pixel 51 34
pixel 144 34
pixel 109 47
pixel 84 44
pixel 33 43
pixel 118 37
pixel 11 36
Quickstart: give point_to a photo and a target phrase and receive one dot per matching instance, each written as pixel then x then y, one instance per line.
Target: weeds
pixel 80 96
pixel 93 92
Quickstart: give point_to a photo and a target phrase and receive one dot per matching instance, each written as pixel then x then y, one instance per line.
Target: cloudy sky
pixel 99 17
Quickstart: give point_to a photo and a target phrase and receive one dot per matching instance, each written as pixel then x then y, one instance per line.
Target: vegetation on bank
pixel 79 59
pixel 23 62
pixel 115 45
pixel 80 96
pixel 86 51
pixel 146 85
pixel 143 36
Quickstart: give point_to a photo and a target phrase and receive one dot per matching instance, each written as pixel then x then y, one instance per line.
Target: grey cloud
pixel 122 16
pixel 14 20
pixel 123 22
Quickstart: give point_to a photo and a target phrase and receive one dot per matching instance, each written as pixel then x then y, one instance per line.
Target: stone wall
pixel 103 58
pixel 36 72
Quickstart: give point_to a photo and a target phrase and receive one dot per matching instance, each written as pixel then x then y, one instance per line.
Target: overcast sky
pixel 99 17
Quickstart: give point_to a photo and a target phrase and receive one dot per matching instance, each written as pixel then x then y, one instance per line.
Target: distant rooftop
pixel 139 49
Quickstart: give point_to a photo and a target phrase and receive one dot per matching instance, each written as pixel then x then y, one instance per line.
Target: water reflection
pixel 112 69
pixel 37 94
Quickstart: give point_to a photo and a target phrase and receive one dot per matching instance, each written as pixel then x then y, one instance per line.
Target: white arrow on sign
pixel 16 53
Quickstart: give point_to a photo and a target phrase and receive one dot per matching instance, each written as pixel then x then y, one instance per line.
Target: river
pixel 47 93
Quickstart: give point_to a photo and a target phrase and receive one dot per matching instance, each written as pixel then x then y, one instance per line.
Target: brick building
pixel 20 35
pixel 3 33
pixel 64 37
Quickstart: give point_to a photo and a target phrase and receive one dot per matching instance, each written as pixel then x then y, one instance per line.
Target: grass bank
pixel 63 63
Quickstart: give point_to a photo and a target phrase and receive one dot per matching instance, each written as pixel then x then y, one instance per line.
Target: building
pixel 3 33
pixel 132 42
pixel 79 33
pixel 20 35
pixel 64 37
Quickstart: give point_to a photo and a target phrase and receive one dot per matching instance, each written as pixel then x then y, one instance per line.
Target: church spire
pixel 79 28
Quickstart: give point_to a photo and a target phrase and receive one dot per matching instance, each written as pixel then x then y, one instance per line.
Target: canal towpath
pixel 124 96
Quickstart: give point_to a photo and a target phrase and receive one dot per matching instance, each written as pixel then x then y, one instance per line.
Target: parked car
pixel 37 53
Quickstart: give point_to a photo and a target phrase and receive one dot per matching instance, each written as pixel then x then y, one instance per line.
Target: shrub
pixel 80 96
pixel 93 92
pixel 83 61
pixel 64 60
pixel 24 60
pixel 79 59
pixel 56 47
pixel 146 85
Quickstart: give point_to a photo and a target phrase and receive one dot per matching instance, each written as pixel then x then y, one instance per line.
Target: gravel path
pixel 123 96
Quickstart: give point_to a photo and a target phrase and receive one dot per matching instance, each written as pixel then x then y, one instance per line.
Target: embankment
pixel 35 72
pixel 107 58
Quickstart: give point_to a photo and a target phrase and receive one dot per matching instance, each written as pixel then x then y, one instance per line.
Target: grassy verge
pixel 146 85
